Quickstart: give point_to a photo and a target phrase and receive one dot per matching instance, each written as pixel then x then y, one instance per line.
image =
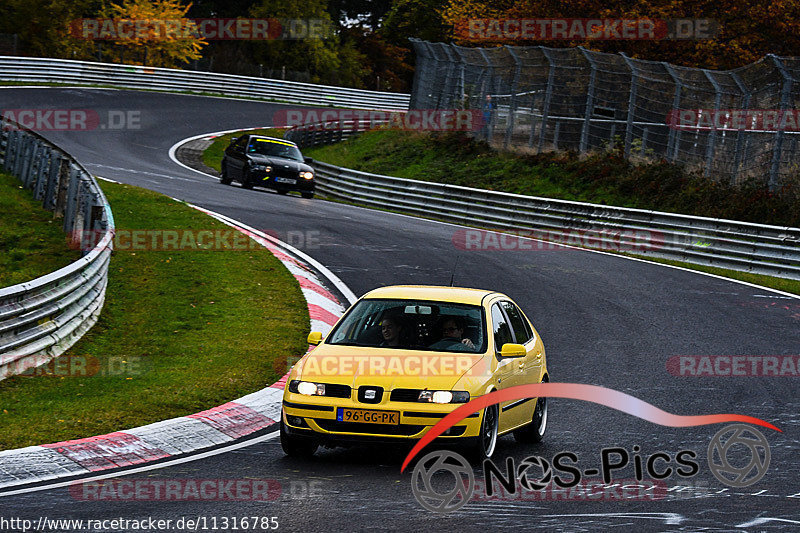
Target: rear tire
pixel 296 446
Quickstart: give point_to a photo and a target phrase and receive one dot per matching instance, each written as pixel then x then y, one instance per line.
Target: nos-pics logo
pixel 738 456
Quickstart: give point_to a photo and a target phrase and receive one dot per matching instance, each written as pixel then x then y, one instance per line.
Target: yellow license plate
pixel 367 416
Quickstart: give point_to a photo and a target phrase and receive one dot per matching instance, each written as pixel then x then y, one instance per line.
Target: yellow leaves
pixel 163 48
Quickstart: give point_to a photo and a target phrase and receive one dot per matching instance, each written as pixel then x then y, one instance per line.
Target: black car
pixel 268 162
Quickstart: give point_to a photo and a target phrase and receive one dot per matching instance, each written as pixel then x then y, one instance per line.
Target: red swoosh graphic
pixel 577 391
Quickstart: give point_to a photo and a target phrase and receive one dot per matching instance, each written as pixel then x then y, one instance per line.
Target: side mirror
pixel 309 161
pixel 314 338
pixel 234 139
pixel 513 350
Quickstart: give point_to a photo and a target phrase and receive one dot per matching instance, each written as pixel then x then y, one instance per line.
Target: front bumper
pixel 311 416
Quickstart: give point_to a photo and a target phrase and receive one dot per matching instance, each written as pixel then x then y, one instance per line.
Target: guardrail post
pixel 53 176
pixel 674 136
pixel 513 104
pixel 786 93
pixel 712 136
pixel 548 95
pixel 71 204
pixel 741 135
pixel 42 171
pixel 589 111
pixel 634 89
pixel 20 153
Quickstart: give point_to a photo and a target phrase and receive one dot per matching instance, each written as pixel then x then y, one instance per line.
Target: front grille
pixel 360 427
pixel 362 394
pixel 404 395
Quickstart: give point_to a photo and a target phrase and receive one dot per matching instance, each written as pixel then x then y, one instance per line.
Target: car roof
pixel 461 295
pixel 284 141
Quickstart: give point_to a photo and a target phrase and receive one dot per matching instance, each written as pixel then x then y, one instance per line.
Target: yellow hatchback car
pixel 403 357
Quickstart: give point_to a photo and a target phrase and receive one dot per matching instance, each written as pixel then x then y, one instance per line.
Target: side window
pixel 522 331
pixel 502 333
pixel 242 142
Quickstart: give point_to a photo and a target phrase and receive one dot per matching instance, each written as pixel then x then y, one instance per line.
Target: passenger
pixel 391 329
pixel 453 336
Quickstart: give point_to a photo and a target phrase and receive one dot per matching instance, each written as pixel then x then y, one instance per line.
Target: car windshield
pixel 274 149
pixel 412 324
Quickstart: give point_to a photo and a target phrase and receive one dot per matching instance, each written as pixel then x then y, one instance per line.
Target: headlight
pixel 265 168
pixel 307 175
pixel 443 396
pixel 311 389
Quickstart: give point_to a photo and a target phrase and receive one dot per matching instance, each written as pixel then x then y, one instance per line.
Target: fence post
pixel 589 101
pixel 489 127
pixel 741 135
pixel 512 107
pixel 547 98
pixel 674 137
pixel 555 135
pixel 631 103
pixel 711 138
pixel 786 93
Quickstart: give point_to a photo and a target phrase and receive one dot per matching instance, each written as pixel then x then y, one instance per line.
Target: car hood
pixel 387 367
pixel 281 163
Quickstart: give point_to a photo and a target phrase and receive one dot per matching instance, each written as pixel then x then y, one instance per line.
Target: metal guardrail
pixel 743 246
pixel 322 133
pixel 42 318
pixel 45 70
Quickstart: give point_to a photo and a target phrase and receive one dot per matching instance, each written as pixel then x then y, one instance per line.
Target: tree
pixel 156 47
pixel 748 31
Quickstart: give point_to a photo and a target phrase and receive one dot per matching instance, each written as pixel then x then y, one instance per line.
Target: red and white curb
pixel 186 434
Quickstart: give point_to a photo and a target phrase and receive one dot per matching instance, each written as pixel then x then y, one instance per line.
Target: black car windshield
pixel 274 149
pixel 412 324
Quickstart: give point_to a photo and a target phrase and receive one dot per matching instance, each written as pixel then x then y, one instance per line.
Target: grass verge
pixel 600 178
pixel 181 331
pixel 32 243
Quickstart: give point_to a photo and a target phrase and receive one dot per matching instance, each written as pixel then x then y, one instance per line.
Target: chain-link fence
pixel 575 99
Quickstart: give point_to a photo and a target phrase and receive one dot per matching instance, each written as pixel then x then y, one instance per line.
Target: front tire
pixel 294 446
pixel 307 195
pixel 534 432
pixel 224 178
pixel 483 446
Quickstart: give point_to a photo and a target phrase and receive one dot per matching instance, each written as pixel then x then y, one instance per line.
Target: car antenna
pixel 453 275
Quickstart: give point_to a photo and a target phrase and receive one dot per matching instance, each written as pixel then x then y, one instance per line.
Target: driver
pixel 453 336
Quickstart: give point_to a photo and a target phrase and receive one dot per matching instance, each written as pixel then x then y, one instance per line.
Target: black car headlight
pixel 443 396
pixel 307 175
pixel 265 168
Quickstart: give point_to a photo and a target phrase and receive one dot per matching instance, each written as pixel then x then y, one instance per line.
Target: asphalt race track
pixel 605 321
